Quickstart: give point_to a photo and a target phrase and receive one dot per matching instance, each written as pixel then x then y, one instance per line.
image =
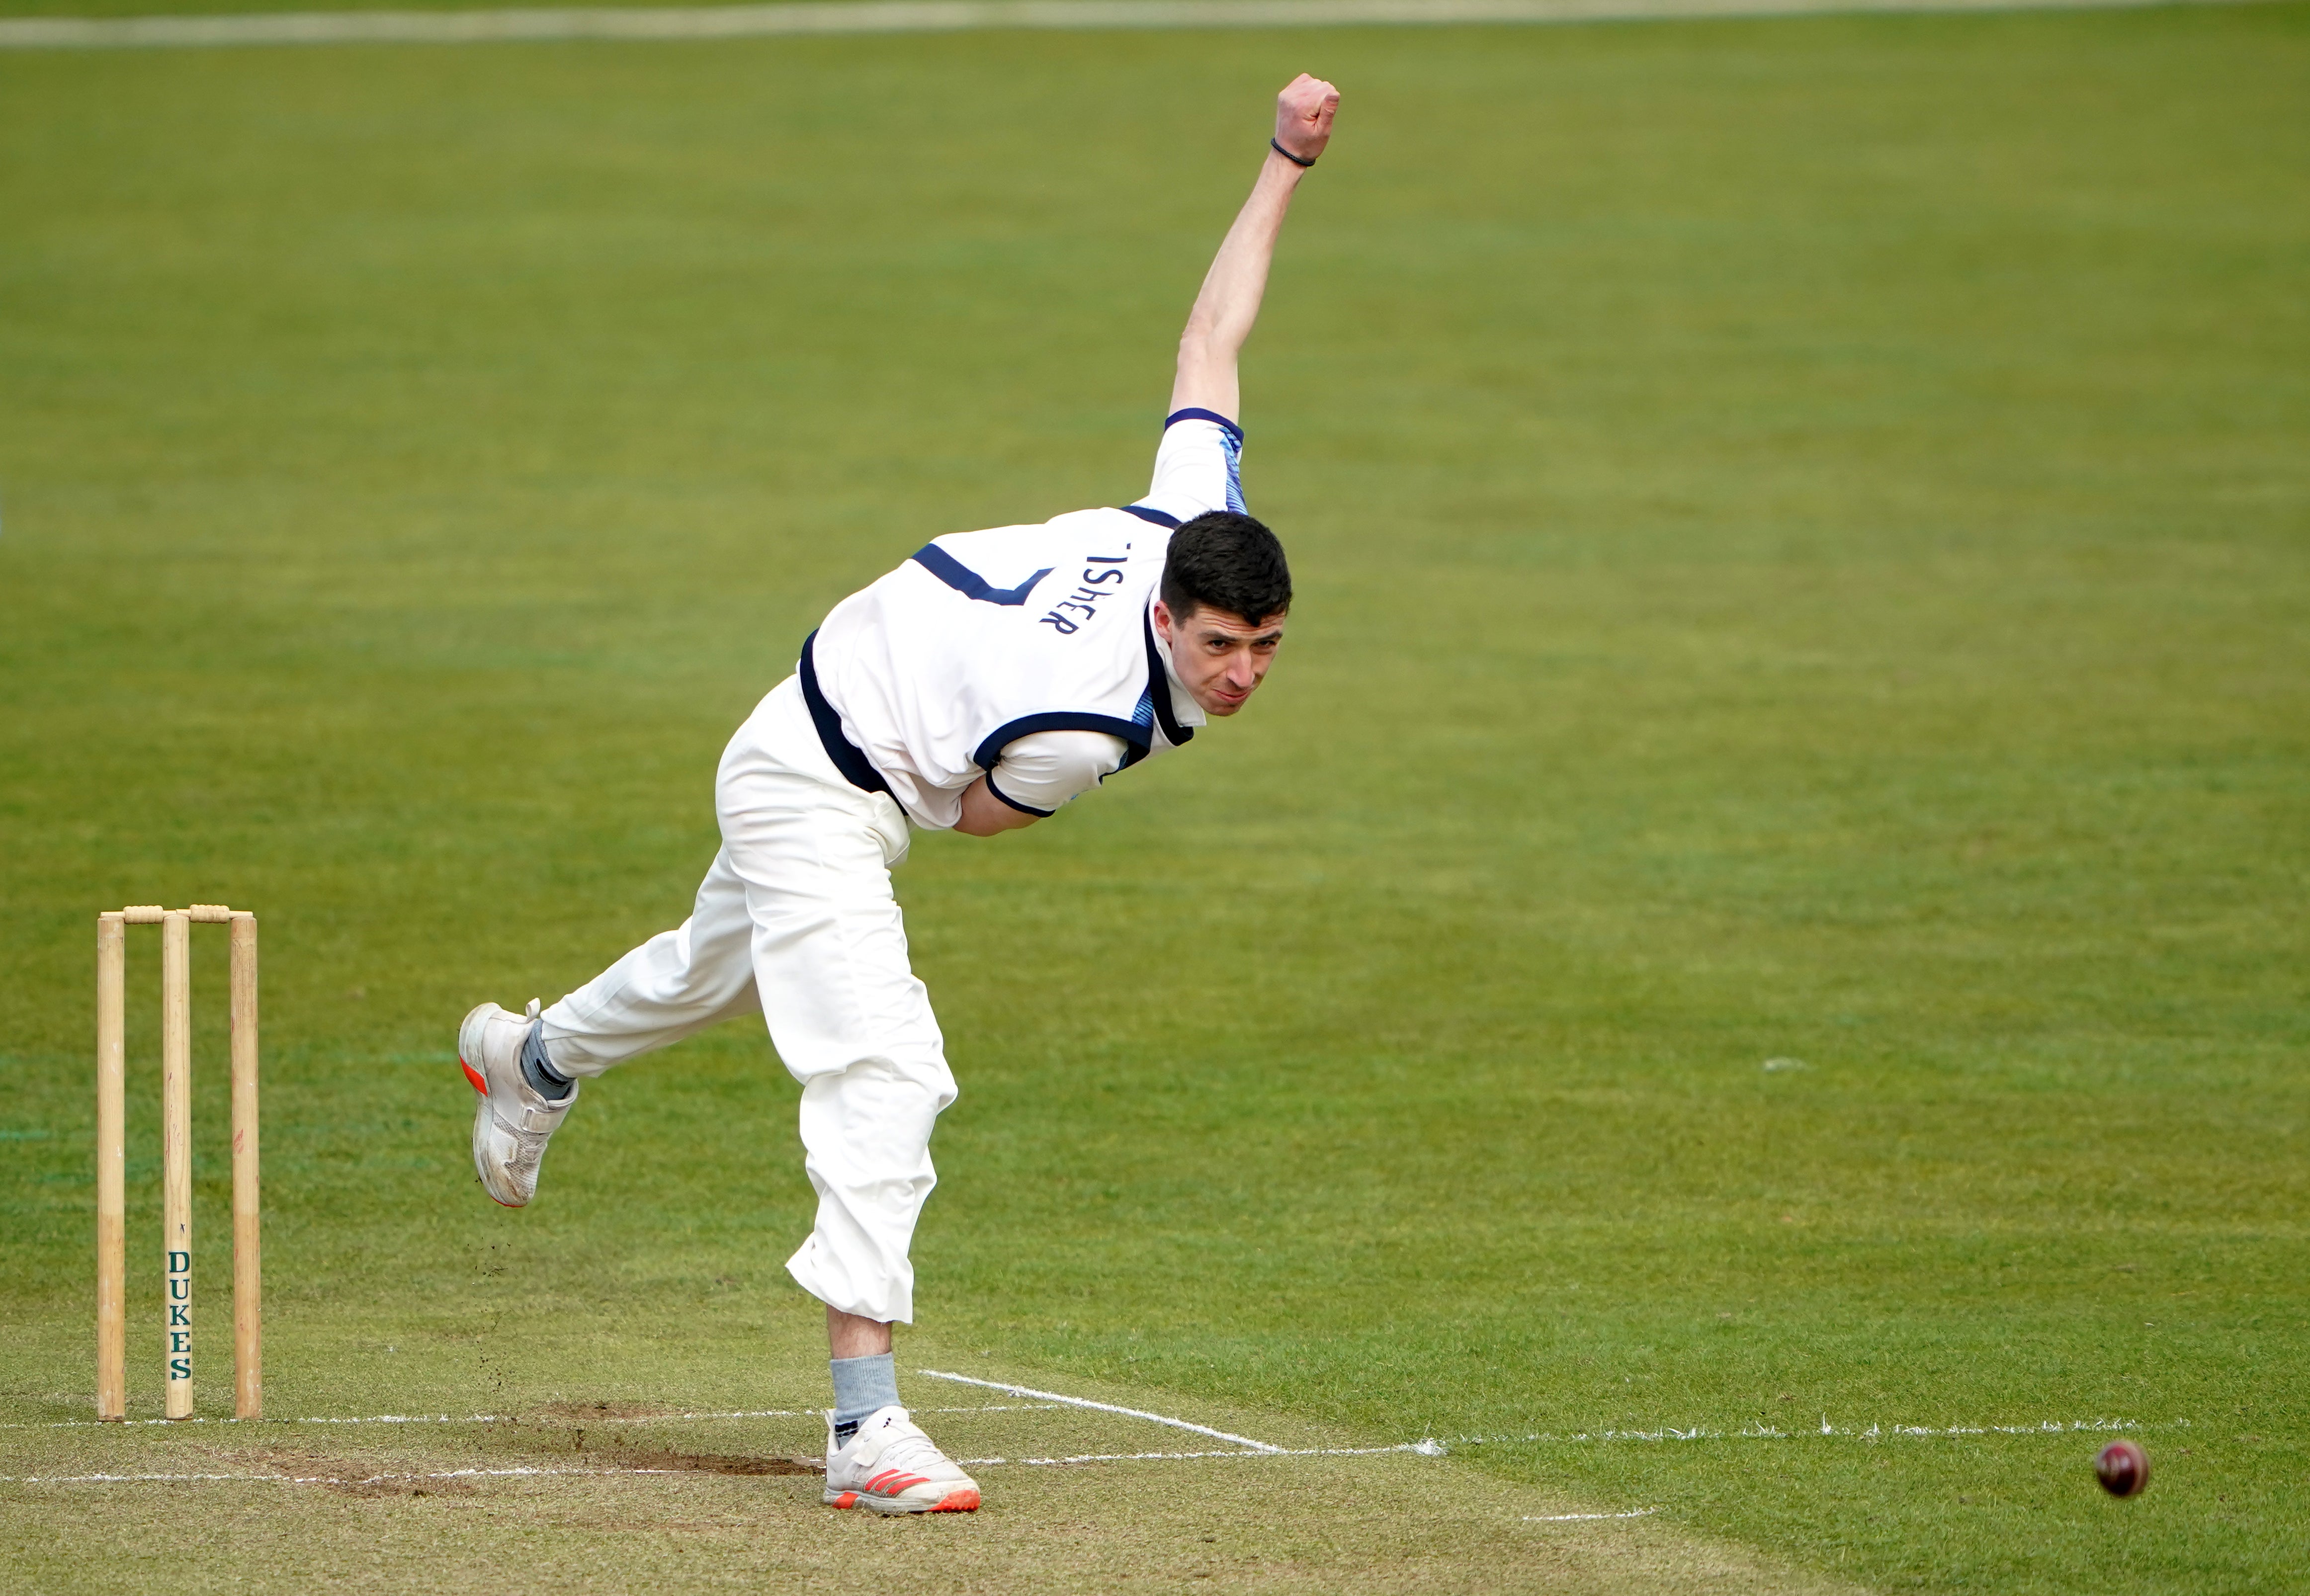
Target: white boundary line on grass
pixel 1053 1396
pixel 913 16
pixel 1576 1518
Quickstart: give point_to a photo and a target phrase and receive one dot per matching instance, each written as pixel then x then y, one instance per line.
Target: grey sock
pixel 863 1387
pixel 537 1069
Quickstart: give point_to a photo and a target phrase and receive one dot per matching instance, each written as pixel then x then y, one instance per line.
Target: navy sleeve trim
pixel 968 582
pixel 990 751
pixel 1159 689
pixel 853 765
pixel 1147 513
pixel 1193 413
pixel 1024 808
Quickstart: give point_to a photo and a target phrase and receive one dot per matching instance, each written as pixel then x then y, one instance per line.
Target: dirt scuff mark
pixel 601 1411
pixel 694 1462
pixel 358 1479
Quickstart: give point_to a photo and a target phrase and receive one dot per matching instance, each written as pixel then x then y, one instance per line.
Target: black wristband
pixel 1277 145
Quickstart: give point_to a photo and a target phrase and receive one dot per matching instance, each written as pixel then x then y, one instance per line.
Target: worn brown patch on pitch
pixel 695 1462
pixel 612 1451
pixel 598 1410
pixel 413 1489
pixel 349 1478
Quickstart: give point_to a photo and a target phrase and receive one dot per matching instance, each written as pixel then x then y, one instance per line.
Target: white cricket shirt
pixel 1024 654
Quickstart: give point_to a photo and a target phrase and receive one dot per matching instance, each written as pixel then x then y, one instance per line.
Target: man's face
pixel 1220 658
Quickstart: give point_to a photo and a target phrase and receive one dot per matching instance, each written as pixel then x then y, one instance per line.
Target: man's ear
pixel 1163 620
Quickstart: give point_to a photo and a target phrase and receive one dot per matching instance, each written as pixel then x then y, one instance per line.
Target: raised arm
pixel 1232 289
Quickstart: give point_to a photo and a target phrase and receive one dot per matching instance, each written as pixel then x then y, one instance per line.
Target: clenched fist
pixel 1303 115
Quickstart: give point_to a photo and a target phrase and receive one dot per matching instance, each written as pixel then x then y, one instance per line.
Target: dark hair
pixel 1225 561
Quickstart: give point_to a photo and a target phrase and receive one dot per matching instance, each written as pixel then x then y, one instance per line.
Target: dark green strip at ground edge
pixel 640 24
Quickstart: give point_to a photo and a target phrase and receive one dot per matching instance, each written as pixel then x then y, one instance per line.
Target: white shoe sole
pixel 963 1498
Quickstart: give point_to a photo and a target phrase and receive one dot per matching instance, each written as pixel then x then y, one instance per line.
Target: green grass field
pixel 1804 539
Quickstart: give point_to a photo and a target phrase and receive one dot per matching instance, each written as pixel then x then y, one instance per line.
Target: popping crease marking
pixel 1424 1448
pixel 1574 1518
pixel 1875 1431
pixel 313 1479
pixel 587 1419
pixel 1053 1396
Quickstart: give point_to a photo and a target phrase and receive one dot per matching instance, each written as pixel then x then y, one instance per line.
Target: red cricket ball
pixel 2122 1468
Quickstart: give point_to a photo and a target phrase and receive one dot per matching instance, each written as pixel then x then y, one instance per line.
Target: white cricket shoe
pixel 891 1467
pixel 513 1120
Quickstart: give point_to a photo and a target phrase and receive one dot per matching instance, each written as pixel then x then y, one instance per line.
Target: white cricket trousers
pixel 796 921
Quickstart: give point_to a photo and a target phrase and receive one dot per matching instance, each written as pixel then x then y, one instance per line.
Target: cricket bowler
pixel 982 685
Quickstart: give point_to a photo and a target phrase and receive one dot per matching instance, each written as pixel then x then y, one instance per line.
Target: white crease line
pixel 1875 1431
pixel 910 16
pixel 120 1424
pixel 1424 1448
pixel 578 1419
pixel 319 1479
pixel 1574 1518
pixel 1053 1396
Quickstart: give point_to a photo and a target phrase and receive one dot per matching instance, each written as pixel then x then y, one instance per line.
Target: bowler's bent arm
pixel 983 814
